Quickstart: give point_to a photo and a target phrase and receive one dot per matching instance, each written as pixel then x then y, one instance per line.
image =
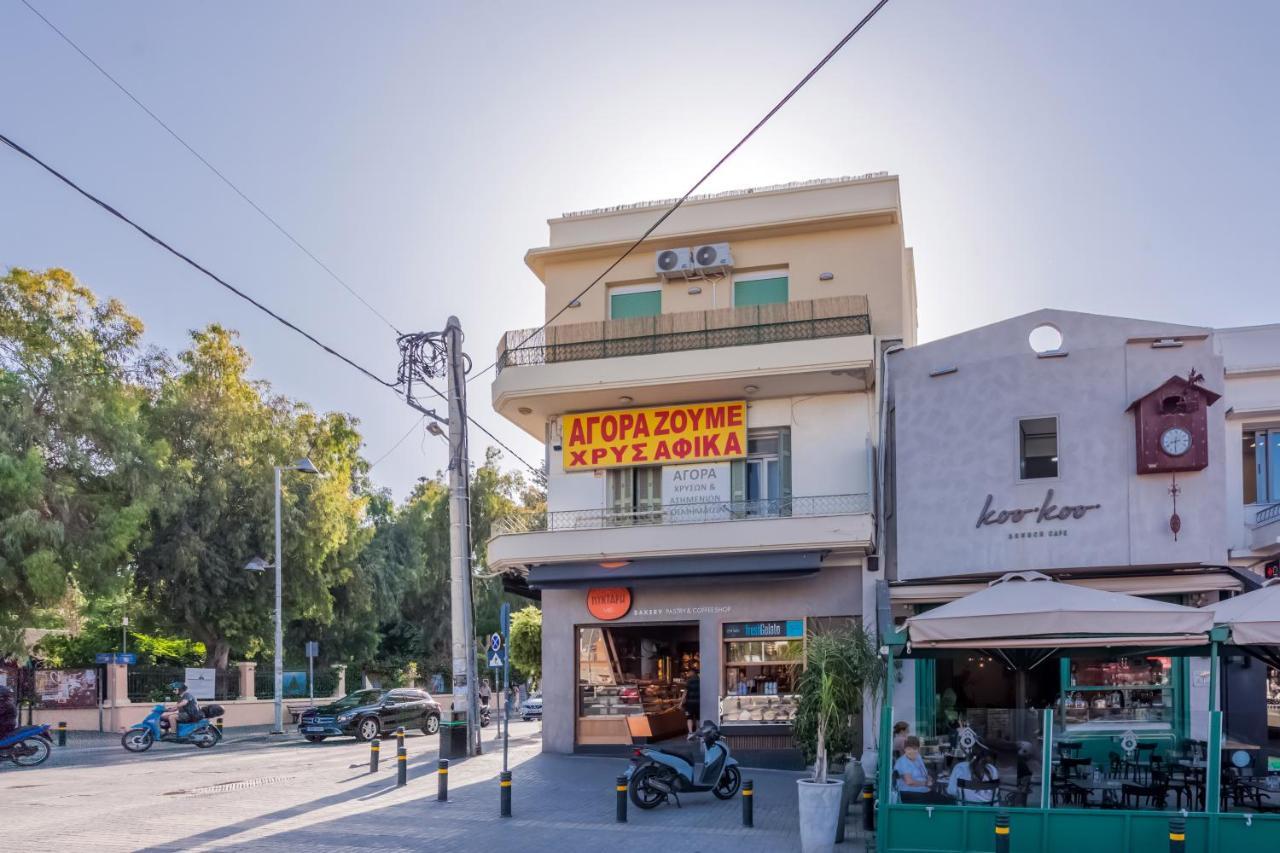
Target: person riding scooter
pixel 8 711
pixel 186 711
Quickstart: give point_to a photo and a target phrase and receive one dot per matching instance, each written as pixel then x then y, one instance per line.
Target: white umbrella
pixel 1031 610
pixel 1254 618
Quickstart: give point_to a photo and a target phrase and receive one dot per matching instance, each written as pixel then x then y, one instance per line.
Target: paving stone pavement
pixel 258 793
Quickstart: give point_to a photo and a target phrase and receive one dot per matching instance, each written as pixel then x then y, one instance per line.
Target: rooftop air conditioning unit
pixel 712 259
pixel 673 263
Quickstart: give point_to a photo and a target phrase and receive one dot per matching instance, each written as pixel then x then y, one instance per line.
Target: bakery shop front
pixel 668 643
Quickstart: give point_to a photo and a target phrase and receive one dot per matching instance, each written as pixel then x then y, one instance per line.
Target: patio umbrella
pixel 1029 610
pixel 1254 620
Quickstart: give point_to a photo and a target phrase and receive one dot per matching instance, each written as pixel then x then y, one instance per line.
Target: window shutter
pixel 738 487
pixel 649 492
pixel 621 490
pixel 784 470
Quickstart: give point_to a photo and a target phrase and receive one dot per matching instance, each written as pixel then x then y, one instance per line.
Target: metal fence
pixel 151 683
pixel 295 682
pixel 537 351
pixel 685 513
pixel 1270 513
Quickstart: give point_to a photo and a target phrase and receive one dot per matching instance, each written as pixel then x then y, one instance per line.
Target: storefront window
pixel 632 681
pixel 1102 693
pixel 762 661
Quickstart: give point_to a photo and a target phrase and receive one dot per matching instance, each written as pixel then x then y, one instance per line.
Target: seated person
pixel 186 711
pixel 915 785
pixel 979 768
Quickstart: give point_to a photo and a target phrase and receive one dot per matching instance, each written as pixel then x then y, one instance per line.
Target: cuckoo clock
pixel 1172 424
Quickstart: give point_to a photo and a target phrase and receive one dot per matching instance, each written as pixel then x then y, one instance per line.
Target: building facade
pixel 710 416
pixel 1121 454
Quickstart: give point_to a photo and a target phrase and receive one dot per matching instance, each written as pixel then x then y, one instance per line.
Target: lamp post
pixel 257 564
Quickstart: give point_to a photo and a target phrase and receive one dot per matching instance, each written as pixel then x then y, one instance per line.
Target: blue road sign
pixel 116 657
pixel 497 652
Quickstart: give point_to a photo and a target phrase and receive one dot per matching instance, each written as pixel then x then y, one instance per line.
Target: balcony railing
pixel 684 513
pixel 835 316
pixel 1266 514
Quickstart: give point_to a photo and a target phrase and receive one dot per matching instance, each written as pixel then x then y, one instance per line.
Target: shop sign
pixel 609 604
pixel 697 432
pixel 763 630
pixel 1047 511
pixel 696 492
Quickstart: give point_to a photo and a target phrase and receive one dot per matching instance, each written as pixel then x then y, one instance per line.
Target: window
pixel 761 483
pixel 634 301
pixel 635 495
pixel 1037 448
pixel 1260 465
pixel 760 289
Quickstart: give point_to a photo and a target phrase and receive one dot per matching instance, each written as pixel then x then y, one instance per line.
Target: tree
pixel 77 468
pixel 526 641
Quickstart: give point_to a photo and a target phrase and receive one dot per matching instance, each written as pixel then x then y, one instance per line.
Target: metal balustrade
pixel 1266 514
pixel 684 513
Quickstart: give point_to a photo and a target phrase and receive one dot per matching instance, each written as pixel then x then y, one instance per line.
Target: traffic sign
pixel 313 649
pixel 497 652
pixel 495 642
pixel 115 657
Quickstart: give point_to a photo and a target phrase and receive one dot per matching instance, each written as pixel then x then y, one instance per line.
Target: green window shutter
pixel 760 291
pixel 649 491
pixel 738 486
pixel 645 303
pixel 784 470
pixel 621 493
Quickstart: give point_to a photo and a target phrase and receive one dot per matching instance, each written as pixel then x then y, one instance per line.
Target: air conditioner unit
pixel 712 258
pixel 673 263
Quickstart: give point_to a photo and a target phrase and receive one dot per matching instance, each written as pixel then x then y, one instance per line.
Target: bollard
pixel 375 747
pixel 1177 834
pixel 442 780
pixel 217 724
pixel 62 734
pixel 402 765
pixel 400 737
pixel 868 808
pixel 621 787
pixel 1002 831
pixel 748 803
pixel 504 787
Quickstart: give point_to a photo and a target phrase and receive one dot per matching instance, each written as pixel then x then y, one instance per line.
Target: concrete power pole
pixel 461 616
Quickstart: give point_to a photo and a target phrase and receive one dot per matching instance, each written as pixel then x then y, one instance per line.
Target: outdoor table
pixel 1109 789
pixel 1233 745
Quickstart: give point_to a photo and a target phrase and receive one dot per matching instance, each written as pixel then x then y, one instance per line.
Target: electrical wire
pixel 394 447
pixel 162 244
pixel 666 214
pixel 275 223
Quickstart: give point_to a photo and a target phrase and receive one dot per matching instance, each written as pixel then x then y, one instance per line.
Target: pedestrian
pixel 692 701
pixel 485 692
pixel 900 730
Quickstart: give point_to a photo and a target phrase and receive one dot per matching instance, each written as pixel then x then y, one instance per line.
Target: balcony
pixel 818 522
pixel 803 347
pixel 1265 533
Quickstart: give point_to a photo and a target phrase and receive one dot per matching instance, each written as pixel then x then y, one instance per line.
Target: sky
pixel 1116 158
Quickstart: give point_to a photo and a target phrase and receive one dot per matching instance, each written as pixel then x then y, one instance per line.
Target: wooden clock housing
pixel 1181 403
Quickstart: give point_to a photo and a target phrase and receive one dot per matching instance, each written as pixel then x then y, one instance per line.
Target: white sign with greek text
pixel 693 493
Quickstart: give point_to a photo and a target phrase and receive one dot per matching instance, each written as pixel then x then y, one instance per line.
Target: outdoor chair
pixel 967 786
pixel 1155 791
pixel 1140 765
pixel 1075 767
pixel 1069 748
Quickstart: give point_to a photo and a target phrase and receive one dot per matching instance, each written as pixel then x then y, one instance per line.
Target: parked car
pixel 531 708
pixel 366 714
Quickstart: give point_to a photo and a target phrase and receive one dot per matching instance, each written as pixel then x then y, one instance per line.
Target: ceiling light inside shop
pixel 614 564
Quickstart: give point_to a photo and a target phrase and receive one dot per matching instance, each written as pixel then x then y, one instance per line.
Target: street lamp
pixel 257 564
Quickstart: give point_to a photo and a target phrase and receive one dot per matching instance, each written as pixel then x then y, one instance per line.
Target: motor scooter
pixel 26 746
pixel 202 733
pixel 656 774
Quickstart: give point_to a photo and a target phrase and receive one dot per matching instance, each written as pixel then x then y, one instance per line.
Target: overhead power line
pixel 673 208
pixel 216 171
pixel 396 446
pixel 168 248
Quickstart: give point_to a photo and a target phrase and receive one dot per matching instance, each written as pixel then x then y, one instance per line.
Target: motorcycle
pixel 485 716
pixel 27 746
pixel 656 774
pixel 202 733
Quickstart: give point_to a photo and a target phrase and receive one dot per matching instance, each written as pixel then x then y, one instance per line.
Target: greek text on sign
pixel 697 432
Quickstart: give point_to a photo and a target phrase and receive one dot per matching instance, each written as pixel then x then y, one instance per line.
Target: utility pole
pixel 461 617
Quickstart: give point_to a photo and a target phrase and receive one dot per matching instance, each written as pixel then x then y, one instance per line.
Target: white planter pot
pixel 870 761
pixel 819 811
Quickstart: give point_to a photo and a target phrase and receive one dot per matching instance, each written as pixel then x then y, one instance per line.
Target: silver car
pixel 531 708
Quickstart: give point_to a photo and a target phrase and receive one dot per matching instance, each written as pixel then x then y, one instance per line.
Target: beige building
pixel 710 417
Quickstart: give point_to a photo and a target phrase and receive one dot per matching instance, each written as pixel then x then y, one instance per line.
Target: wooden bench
pixel 296 711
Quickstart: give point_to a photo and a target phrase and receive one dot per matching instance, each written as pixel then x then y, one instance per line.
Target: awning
pixel 670 571
pixel 1254 618
pixel 1031 610
pixel 1164 583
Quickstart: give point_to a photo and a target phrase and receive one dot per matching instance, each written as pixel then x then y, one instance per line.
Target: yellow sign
pixel 661 435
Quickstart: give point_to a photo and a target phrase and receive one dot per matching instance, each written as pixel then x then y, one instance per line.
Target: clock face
pixel 1175 441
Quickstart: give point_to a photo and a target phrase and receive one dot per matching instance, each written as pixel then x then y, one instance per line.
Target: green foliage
pixel 66 650
pixel 841 669
pixel 526 641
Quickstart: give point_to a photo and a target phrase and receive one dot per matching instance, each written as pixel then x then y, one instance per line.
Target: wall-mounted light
pixel 577 303
pixel 695 290
pixel 525 410
pixel 750 389
pixel 613 564
pixel 625 400
pixel 826 276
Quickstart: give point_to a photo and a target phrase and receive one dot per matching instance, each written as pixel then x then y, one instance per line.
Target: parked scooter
pixel 656 774
pixel 202 733
pixel 26 746
pixel 485 716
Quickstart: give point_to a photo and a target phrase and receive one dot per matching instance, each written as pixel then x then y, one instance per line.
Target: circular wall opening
pixel 1045 338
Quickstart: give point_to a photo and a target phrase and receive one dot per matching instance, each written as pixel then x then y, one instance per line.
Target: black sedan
pixel 370 713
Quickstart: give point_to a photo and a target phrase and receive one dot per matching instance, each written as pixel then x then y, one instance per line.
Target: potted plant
pixel 841 670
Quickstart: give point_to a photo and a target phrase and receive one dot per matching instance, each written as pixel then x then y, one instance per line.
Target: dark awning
pixel 668 571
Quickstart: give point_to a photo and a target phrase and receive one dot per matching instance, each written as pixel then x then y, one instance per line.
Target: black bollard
pixel 217 724
pixel 621 788
pixel 402 765
pixel 62 734
pixel 868 808
pixel 1177 834
pixel 504 787
pixel 1002 831
pixel 442 780
pixel 748 803
pixel 375 747
pixel 400 737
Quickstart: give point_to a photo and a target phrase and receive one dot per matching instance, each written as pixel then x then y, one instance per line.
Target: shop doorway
pixel 633 680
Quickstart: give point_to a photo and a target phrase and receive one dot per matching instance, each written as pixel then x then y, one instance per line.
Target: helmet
pixel 177 686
